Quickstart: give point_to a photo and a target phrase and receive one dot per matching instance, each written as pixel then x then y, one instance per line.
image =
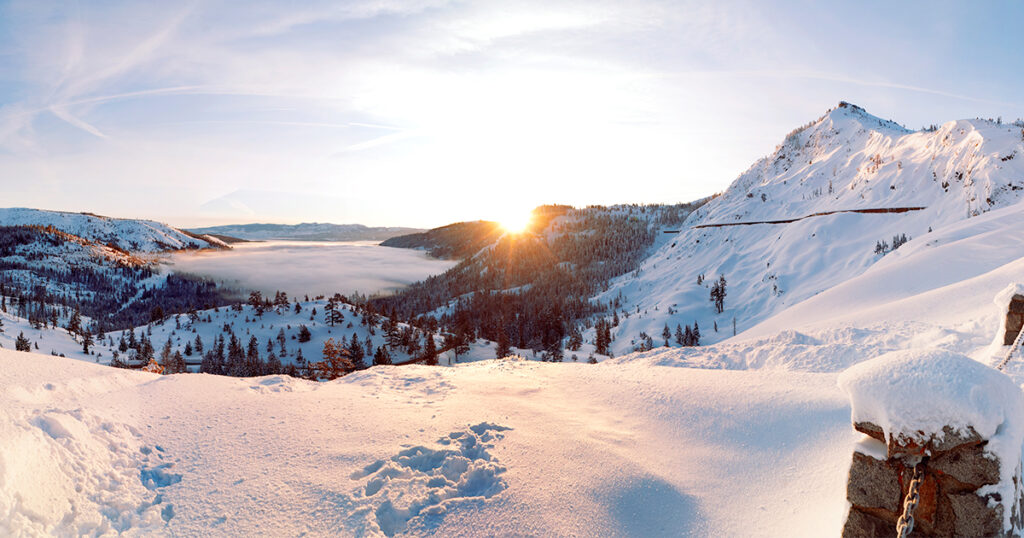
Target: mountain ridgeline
pixel 307 231
pixel 53 264
pixel 836 197
pixel 532 290
pixel 454 241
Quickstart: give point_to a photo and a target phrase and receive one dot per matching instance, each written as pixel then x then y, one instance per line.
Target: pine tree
pixel 680 337
pixel 718 294
pixel 75 323
pixel 304 334
pixel 273 366
pixel 165 353
pixel 21 343
pixel 332 315
pixel 188 349
pixel 355 348
pixel 429 350
pixel 178 363
pixel 336 361
pixel 199 344
pixel 256 301
pixel 381 356
pixel 86 342
pixel 502 346
pixel 666 334
pixel 602 338
pixel 281 338
pixel 575 341
pixel 236 358
pixel 253 363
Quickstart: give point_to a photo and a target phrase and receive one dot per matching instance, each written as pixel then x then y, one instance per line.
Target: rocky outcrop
pixel 956 466
pixel 1014 319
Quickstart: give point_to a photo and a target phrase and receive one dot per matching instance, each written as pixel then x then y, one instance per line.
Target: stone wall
pixel 1014 319
pixel 956 466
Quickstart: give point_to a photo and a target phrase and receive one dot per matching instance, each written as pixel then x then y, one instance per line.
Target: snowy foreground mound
pixel 498 447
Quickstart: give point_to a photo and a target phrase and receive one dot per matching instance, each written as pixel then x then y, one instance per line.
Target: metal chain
pixel 905 524
pixel 1013 347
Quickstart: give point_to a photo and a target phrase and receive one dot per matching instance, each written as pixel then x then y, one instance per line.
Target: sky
pixel 426 112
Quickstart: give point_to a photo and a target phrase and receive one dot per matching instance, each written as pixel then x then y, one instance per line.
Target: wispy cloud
pixel 344 101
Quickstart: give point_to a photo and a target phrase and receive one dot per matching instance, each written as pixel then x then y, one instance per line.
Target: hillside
pixel 307 231
pixel 532 289
pixel 454 241
pixel 129 235
pixel 647 444
pixel 784 231
pixel 56 263
pixel 652 443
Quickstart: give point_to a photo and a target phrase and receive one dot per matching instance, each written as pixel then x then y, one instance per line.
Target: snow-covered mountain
pixel 107 268
pixel 307 231
pixel 747 436
pixel 813 214
pixel 130 235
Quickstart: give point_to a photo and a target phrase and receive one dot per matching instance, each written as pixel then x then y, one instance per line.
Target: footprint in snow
pixel 419 484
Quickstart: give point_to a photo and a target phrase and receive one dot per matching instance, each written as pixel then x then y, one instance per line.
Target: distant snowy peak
pixel 849 159
pixel 129 235
pixel 307 231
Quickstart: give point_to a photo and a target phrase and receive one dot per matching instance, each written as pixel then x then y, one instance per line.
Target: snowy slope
pixel 846 160
pixel 750 437
pixel 492 448
pixel 183 329
pixel 129 235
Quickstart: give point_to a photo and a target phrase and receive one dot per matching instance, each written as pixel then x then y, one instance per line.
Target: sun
pixel 516 223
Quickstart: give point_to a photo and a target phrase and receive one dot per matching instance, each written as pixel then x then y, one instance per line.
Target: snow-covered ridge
pixel 129 235
pixel 858 175
pixel 849 159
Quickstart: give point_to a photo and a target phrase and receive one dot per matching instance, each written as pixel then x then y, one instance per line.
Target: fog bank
pixel 303 267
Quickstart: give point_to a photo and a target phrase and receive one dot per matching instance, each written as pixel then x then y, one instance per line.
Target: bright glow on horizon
pixel 516 222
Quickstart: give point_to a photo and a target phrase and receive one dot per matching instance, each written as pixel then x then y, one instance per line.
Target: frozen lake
pixel 312 267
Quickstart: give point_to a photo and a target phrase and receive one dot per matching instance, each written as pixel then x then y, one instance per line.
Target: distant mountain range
pixel 307 231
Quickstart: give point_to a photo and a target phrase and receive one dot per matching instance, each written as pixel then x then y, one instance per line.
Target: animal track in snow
pixel 419 484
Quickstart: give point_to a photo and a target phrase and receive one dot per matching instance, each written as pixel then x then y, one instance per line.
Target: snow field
pixel 495 447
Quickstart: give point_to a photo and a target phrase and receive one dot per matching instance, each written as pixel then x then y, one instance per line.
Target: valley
pixel 472 380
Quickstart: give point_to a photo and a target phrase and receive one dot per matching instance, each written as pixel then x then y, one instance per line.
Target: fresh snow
pixel 910 391
pixel 845 160
pixel 490 448
pixel 748 436
pixel 130 235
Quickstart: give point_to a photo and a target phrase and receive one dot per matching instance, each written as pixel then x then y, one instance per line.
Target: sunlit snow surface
pixel 747 437
pixel 314 268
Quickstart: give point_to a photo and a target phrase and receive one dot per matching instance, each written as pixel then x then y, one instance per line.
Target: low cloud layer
pixel 300 268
